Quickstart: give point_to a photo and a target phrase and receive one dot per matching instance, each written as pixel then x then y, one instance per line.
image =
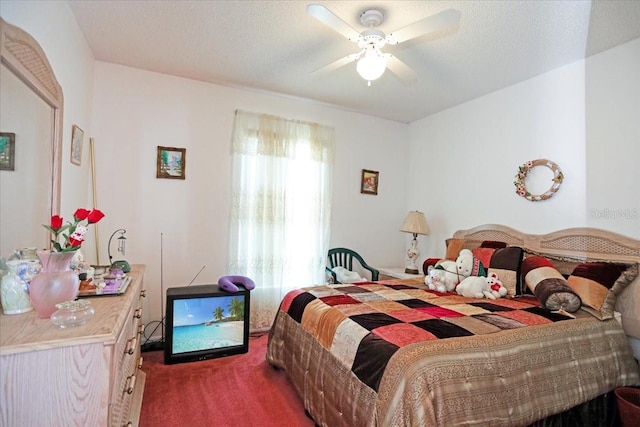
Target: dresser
pixel 87 375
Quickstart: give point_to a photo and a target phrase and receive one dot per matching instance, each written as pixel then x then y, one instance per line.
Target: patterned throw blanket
pixel 363 325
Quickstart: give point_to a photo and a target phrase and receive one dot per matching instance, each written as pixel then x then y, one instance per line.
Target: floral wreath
pixel 524 169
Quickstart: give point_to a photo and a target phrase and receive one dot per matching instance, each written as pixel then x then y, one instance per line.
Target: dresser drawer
pixel 127 358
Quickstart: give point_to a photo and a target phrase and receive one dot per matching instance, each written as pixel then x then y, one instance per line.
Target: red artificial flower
pixel 70 240
pixel 95 216
pixel 56 222
pixel 81 214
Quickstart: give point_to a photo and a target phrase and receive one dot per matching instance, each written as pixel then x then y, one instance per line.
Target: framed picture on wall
pixel 7 151
pixel 369 182
pixel 77 135
pixel 171 162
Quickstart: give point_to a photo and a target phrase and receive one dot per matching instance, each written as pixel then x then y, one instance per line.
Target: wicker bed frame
pixel 579 243
pixel 586 243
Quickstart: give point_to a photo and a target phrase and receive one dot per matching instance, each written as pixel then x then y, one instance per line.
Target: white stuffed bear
pixel 472 287
pixel 496 288
pixel 347 276
pixel 482 287
pixel 443 277
pixel 468 265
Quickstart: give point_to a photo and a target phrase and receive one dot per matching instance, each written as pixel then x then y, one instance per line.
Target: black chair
pixel 343 257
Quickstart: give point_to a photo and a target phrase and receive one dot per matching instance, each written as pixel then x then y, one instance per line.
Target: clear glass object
pixel 72 313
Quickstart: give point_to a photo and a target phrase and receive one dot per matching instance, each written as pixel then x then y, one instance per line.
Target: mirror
pixel 31 102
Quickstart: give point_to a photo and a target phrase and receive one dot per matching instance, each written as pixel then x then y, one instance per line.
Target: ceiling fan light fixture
pixel 371 66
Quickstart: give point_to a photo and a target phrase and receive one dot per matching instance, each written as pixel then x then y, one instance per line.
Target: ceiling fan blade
pixel 337 64
pixel 328 18
pixel 439 21
pixel 400 69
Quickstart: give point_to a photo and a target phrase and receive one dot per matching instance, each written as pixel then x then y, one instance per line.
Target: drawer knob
pixel 138 313
pixel 131 345
pixel 143 293
pixel 131 384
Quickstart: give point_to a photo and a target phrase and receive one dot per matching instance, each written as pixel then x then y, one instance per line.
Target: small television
pixel 204 322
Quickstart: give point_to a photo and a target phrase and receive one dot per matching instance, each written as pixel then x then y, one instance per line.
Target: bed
pixel 393 353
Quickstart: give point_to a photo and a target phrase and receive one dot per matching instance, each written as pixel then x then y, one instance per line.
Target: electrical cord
pixel 149 343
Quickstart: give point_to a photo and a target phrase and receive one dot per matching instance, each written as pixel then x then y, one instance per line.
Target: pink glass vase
pixel 54 284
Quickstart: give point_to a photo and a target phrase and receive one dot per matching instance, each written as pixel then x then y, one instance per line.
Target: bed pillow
pixel 548 285
pixel 599 283
pixel 429 262
pixel 454 246
pixel 493 244
pixel 506 263
pixel 484 255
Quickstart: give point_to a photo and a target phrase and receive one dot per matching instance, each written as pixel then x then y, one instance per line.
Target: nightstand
pixel 390 273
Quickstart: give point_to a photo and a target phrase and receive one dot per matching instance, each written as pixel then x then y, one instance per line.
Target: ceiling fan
pixel 371 61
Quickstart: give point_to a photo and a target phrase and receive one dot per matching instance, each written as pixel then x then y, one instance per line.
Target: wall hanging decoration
pixel 369 182
pixel 171 162
pixel 7 151
pixel 77 136
pixel 523 171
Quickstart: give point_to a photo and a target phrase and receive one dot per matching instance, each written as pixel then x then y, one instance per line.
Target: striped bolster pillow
pixel 548 285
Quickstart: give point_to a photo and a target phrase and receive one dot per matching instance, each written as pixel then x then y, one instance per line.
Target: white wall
pixel 613 147
pixel 135 111
pixel 464 159
pixel 584 116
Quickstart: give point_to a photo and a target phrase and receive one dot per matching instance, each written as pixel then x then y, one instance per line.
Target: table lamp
pixel 414 223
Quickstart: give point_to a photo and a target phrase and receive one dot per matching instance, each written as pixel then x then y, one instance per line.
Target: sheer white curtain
pixel 281 207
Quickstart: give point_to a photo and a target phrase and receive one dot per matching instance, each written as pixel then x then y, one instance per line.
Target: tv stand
pixel 83 376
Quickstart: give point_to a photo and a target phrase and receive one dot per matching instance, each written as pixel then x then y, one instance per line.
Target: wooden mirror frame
pixel 24 57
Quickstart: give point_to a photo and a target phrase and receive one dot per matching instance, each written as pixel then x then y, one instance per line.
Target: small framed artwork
pixel 77 135
pixel 171 162
pixel 369 183
pixel 7 151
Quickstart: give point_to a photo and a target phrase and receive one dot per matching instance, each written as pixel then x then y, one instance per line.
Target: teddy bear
pixel 468 265
pixel 496 288
pixel 472 287
pixel 77 237
pixel 482 287
pixel 442 277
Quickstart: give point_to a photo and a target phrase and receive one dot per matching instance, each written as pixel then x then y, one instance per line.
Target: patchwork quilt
pixel 365 324
pixel 393 353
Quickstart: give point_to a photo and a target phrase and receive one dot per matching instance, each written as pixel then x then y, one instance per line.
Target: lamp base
pixel 411 271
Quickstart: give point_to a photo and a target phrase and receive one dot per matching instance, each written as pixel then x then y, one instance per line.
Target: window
pixel 281 207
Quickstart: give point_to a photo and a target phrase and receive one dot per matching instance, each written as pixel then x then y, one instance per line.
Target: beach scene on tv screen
pixel 207 323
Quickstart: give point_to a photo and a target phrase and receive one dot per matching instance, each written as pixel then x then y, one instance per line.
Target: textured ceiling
pixel 274 46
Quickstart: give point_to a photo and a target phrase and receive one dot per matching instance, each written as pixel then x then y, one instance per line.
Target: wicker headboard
pixel 580 243
pixel 583 243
